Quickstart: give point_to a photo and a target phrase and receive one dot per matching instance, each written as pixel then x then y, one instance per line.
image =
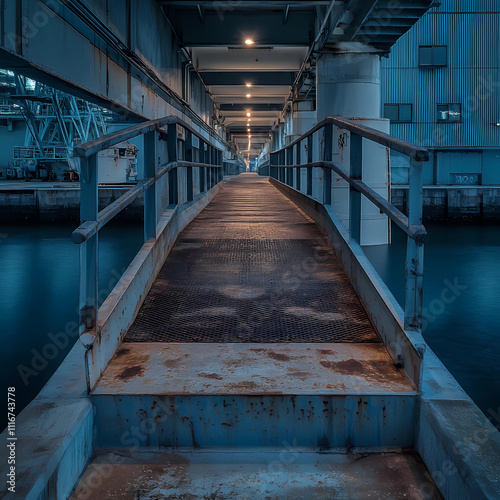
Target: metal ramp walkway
pixel 252 268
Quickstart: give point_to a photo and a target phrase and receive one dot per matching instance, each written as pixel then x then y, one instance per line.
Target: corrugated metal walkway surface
pixel 252 268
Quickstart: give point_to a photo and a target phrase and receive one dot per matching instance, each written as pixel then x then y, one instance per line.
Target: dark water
pixel 39 276
pixel 39 292
pixel 461 301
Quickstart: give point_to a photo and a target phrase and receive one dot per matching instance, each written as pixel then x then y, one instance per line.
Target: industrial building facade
pixel 441 90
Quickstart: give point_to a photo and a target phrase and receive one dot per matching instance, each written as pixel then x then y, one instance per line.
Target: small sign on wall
pixel 181 133
pixel 465 179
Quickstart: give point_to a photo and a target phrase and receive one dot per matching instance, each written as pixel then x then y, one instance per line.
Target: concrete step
pixel 323 396
pixel 235 474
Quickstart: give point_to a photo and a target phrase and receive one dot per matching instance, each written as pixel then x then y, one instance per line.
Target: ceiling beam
pixel 266 28
pixel 251 107
pixel 267 78
pixel 243 3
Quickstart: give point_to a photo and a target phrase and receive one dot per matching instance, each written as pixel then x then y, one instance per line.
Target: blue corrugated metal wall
pixel 471 31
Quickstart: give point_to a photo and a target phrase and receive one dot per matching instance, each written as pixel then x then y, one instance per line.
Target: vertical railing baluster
pixel 414 252
pixel 289 161
pixel 189 170
pixel 202 169
pixel 89 249
pixel 356 170
pixel 309 169
pixel 172 156
pixel 327 156
pixel 150 193
pixel 297 170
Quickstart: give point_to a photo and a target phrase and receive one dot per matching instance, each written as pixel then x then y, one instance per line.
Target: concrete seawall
pixel 60 202
pixel 56 202
pixel 448 203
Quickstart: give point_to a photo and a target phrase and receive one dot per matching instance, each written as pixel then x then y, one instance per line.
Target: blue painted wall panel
pixel 491 167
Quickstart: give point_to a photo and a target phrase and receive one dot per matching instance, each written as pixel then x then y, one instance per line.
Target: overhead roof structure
pixel 252 53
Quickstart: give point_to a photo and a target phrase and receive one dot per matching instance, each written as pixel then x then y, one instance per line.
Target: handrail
pixel 87 229
pixel 415 232
pixel 100 144
pixel 416 152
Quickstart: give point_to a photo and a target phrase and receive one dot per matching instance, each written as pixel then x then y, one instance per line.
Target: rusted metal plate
pixel 264 474
pixel 252 268
pixel 254 369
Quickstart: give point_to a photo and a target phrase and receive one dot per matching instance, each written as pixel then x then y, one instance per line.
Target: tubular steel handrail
pixel 284 161
pixel 406 148
pixel 91 147
pixel 210 166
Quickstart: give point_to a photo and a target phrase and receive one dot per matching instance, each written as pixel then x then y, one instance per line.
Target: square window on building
pixel 449 112
pixel 432 55
pixel 398 112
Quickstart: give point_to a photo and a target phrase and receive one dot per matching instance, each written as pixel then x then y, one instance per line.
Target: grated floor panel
pixel 252 268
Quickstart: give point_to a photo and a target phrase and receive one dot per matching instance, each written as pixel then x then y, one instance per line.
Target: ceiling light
pixel 248 96
pixel 248 114
pixel 249 41
pixel 248 84
pixel 248 130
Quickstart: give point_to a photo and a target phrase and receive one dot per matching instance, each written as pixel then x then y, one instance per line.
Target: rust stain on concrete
pixel 131 371
pixel 213 376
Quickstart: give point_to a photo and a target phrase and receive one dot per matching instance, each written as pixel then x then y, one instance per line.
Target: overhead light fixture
pixel 248 96
pixel 248 114
pixel 249 41
pixel 249 136
pixel 248 130
pixel 248 84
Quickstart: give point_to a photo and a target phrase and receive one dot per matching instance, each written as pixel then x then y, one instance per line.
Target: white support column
pixel 348 85
pixel 303 119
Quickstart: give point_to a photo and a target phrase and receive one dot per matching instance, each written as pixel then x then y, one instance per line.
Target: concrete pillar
pixel 348 86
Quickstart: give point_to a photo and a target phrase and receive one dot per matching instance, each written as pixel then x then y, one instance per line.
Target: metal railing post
pixel 189 170
pixel 309 186
pixel 327 156
pixel 202 169
pixel 283 170
pixel 289 161
pixel 89 249
pixel 173 197
pixel 297 170
pixel 150 193
pixel 414 252
pixel 356 169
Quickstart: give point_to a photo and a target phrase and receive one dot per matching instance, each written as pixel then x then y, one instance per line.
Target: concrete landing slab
pixel 252 369
pixel 235 474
